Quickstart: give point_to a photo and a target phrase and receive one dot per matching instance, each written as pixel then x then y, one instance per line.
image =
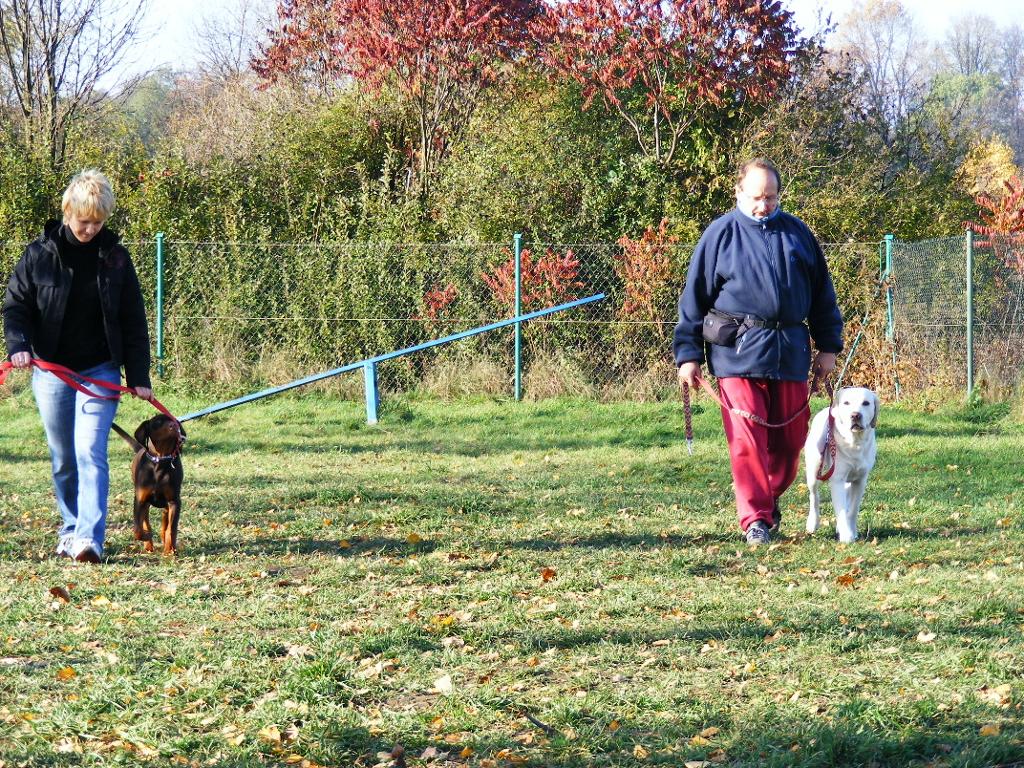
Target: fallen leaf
pixel 547 574
pixel 61 594
pixel 640 753
pixel 510 757
pixel 298 651
pixel 414 539
pixel 999 696
pixel 925 637
pixel 271 733
pixel 443 685
pixel 614 725
pixel 465 752
pixel 100 600
pixel 709 733
pixel 145 750
pixel 66 673
pixel 991 729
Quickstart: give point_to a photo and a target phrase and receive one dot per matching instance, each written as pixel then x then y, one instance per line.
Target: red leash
pixel 71 378
pixel 753 416
pixel 830 442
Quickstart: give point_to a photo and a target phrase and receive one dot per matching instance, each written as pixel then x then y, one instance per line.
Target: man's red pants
pixel 764 460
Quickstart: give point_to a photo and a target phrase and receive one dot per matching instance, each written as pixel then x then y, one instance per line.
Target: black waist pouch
pixel 722 329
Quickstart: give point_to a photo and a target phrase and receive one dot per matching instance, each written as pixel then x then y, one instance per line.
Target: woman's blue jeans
pixel 77 427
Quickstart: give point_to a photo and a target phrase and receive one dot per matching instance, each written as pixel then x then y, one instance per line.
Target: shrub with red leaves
pixel 550 280
pixel 645 269
pixel 438 299
pixel 1002 223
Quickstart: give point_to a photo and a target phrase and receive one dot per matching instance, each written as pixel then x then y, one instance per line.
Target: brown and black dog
pixel 157 474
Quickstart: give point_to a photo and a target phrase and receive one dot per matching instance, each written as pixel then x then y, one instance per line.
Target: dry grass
pixel 556 374
pixel 465 373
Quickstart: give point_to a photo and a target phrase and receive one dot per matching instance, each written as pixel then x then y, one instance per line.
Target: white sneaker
pixel 65 544
pixel 85 551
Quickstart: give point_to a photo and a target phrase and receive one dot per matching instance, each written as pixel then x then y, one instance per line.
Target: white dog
pixel 855 415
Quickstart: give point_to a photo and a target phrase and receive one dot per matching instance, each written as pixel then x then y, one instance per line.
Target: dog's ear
pixel 874 410
pixel 142 432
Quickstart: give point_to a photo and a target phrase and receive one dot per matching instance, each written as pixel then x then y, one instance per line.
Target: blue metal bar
pixel 518 248
pixel 372 393
pixel 389 356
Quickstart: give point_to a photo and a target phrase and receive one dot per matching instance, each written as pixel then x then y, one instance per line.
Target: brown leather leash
pixel 830 442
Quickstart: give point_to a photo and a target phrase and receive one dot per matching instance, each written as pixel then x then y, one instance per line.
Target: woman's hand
pixel 144 393
pixel 21 359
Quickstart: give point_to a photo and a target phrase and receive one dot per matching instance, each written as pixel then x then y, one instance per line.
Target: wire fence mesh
pixel 251 314
pixel 931 314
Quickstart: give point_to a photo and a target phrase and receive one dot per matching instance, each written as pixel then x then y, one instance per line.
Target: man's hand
pixel 21 359
pixel 689 372
pixel 144 393
pixel 824 363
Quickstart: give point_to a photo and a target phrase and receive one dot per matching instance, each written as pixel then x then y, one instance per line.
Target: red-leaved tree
pixel 440 54
pixel 660 63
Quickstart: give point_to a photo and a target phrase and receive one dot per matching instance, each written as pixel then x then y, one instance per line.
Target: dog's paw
pixel 812 523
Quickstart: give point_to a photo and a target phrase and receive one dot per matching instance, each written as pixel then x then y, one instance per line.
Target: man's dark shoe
pixel 776 519
pixel 757 534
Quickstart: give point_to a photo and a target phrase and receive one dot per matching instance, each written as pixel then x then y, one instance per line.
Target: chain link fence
pixel 931 314
pixel 244 315
pixel 265 314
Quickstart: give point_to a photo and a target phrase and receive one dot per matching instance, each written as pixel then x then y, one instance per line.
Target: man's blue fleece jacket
pixel 774 270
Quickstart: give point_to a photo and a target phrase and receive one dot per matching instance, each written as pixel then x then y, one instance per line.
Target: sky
pixel 933 15
pixel 171 24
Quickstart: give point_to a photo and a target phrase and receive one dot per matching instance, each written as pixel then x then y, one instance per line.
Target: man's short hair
pixel 89 196
pixel 759 162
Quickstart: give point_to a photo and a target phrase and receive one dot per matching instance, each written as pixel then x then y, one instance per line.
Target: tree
pixel 972 43
pixel 660 64
pixel 229 38
pixel 1011 69
pixel 53 55
pixel 886 47
pixel 440 54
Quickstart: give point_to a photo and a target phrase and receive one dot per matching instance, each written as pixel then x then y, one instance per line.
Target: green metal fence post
pixel 160 303
pixel 890 331
pixel 518 248
pixel 970 311
pixel 890 326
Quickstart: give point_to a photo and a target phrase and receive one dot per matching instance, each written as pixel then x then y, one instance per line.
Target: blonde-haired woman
pixel 74 299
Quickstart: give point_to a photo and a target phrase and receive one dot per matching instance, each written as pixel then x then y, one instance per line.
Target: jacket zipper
pixel 767 236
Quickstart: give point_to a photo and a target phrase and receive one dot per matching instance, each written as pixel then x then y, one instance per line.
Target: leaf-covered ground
pixel 487 583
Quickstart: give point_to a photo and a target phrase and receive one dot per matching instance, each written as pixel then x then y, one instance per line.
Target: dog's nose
pixel 856 417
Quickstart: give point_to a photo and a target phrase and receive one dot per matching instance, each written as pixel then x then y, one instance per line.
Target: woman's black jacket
pixel 37 295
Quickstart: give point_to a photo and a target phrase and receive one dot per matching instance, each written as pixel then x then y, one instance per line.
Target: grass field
pixel 495 584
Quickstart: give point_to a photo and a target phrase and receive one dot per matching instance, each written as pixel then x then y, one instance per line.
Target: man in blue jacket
pixel 757 292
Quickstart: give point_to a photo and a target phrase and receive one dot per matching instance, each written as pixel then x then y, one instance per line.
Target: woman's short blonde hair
pixel 89 196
